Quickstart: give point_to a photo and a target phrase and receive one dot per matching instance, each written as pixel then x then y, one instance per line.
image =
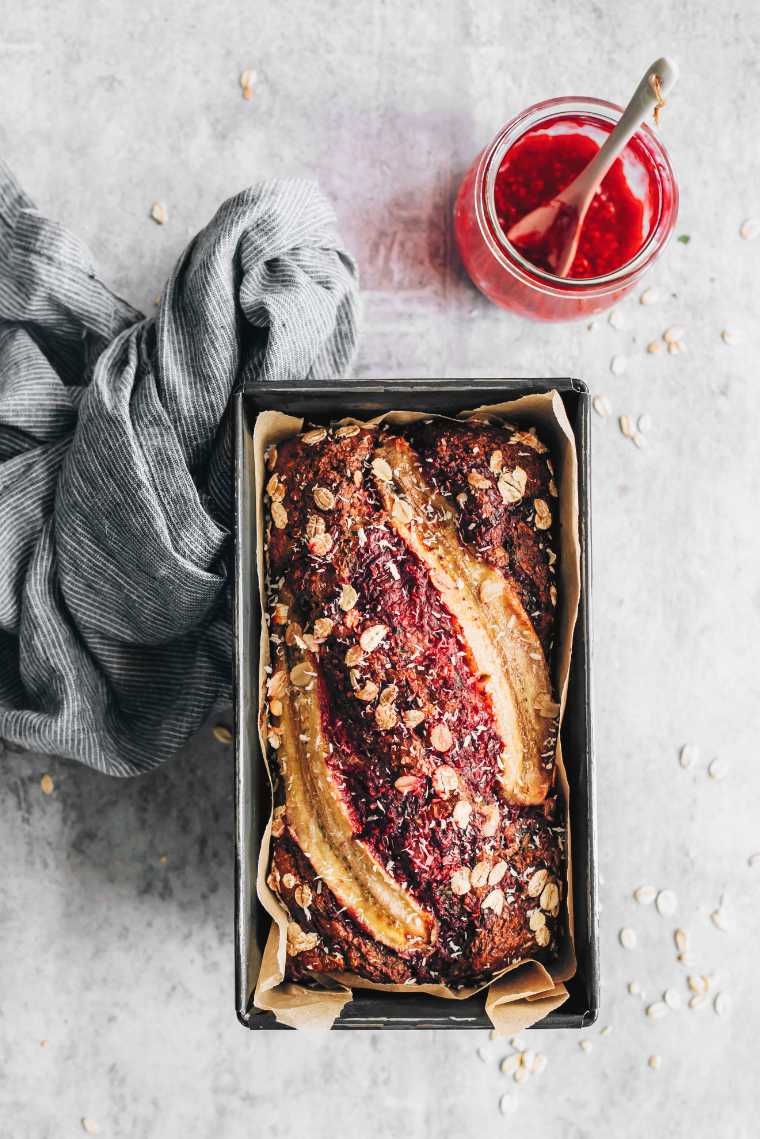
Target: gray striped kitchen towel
pixel 114 463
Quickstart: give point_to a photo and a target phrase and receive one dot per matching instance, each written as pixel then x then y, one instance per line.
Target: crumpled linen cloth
pixel 115 496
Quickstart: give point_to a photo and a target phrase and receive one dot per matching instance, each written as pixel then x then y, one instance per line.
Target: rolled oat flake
pixel 666 903
pixel 689 754
pixel 627 938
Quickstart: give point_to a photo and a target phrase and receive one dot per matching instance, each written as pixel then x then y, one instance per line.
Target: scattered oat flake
pixel 672 999
pixel 539 1063
pixel 654 1062
pixel 654 346
pixel 754 860
pixel 722 1004
pixel 508 1104
pixel 510 1063
pixel 634 988
pixel 750 229
pixel 666 902
pixel 688 754
pixel 47 786
pixel 639 440
pixel 521 1075
pixel 89 1126
pixel 517 1043
pixel 719 920
pixel 44 1043
pixel 585 1045
pixel 699 1000
pixel 159 213
pixel 626 426
pixel 616 318
pixel 681 939
pixel 674 334
pixel 731 336
pixel 324 499
pixel 247 80
pixel 317 435
pixel 482 1054
pixel 627 938
pixel 618 365
pixel 606 1031
pixel 717 769
pixel 644 423
pixel 649 297
pixel 657 1010
pixel 645 895
pixel 222 733
pixel 602 405
pixel 536 885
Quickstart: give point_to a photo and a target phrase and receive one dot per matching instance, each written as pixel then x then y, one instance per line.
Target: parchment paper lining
pixel 527 991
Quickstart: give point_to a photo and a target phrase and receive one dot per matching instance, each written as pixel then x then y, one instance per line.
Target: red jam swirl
pixel 547 159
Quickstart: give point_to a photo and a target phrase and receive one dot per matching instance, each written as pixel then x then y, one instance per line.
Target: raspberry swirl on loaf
pixel 410 709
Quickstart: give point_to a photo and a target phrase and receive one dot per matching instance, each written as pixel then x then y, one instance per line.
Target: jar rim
pixel 510 257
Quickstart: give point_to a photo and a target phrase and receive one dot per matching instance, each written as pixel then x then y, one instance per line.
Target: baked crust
pixel 410 711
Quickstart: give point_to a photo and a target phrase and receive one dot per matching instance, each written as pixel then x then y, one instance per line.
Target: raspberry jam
pixel 546 160
pixel 531 161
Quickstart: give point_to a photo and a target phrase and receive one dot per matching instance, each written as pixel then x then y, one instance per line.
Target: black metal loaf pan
pixel 321 403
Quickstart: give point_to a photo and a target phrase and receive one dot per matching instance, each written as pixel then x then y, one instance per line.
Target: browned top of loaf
pixel 414 748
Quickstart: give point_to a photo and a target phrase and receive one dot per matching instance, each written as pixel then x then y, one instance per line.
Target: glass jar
pixel 503 274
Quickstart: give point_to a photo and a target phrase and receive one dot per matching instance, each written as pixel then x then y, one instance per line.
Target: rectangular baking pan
pixel 320 403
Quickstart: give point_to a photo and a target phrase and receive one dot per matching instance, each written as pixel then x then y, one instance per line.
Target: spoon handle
pixel 640 106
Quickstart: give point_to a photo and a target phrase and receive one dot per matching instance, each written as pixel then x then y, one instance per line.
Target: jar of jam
pixel 532 159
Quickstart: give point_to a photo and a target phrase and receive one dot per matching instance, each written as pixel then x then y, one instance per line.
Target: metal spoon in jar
pixel 556 227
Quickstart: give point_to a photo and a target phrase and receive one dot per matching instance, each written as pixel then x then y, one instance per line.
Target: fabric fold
pixel 115 500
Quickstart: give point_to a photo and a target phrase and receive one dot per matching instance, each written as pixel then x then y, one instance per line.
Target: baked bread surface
pixel 410 713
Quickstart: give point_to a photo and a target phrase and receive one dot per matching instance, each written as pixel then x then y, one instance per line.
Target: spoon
pixel 558 224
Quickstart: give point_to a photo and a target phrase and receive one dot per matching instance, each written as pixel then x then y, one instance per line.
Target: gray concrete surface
pixel 116 966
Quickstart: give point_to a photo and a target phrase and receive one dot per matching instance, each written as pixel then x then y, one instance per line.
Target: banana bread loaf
pixel 410 711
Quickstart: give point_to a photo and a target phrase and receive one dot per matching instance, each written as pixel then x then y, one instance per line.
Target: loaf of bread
pixel 410 712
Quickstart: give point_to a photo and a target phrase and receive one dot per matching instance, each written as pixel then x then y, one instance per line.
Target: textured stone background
pixel 122 962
